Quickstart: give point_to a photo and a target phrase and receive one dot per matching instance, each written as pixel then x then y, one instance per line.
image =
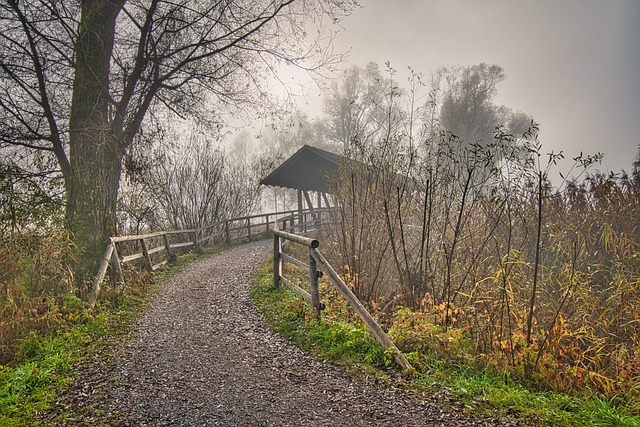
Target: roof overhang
pixel 309 168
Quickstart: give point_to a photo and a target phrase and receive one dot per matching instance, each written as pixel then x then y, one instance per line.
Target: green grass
pixel 45 368
pixel 495 394
pixel 347 344
pixel 31 386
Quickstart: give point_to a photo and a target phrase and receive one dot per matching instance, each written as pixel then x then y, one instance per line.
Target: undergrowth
pixel 343 340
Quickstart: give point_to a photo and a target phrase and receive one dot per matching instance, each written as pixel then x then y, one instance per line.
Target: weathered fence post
pixel 249 228
pixel 195 239
pixel 313 279
pixel 93 296
pixel 227 233
pixel 147 257
pixel 277 261
pixel 167 247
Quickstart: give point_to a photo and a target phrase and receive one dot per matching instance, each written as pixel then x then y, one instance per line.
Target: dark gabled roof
pixel 309 168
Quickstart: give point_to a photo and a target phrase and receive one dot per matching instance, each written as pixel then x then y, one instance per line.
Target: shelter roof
pixel 309 168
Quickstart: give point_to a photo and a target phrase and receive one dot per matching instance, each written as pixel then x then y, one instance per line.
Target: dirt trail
pixel 203 356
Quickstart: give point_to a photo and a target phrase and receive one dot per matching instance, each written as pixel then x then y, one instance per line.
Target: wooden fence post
pixel 277 262
pixel 313 278
pixel 249 228
pixel 167 246
pixel 227 233
pixel 115 259
pixel 147 257
pixel 93 296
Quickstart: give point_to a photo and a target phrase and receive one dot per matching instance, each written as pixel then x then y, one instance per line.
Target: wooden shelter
pixel 308 169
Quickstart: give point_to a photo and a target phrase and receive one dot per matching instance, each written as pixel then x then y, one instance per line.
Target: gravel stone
pixel 203 356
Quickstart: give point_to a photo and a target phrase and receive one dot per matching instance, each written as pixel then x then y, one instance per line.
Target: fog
pixel 574 66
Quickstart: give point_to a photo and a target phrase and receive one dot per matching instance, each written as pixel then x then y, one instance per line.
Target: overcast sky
pixel 573 65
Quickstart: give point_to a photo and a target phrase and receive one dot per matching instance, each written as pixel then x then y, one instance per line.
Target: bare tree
pixel 79 79
pixel 467 105
pixel 355 105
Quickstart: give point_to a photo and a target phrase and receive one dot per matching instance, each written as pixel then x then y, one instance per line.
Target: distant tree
pixel 79 79
pixel 355 105
pixel 466 101
pixel 467 104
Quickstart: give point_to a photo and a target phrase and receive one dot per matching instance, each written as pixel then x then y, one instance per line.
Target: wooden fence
pixel 156 249
pixel 316 260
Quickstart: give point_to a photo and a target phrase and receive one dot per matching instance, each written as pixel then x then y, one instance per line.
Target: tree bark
pixel 95 151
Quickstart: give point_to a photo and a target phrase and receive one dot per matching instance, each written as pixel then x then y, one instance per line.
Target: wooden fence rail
pixel 158 248
pixel 316 259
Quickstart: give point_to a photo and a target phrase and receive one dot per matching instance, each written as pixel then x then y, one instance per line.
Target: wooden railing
pixel 157 249
pixel 315 261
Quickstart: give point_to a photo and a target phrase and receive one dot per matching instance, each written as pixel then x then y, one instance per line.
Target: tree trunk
pixel 94 149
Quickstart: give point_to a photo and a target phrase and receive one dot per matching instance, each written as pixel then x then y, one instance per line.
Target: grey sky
pixel 573 65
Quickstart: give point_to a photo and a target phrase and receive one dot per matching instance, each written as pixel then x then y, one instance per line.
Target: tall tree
pixel 356 105
pixel 79 78
pixel 467 107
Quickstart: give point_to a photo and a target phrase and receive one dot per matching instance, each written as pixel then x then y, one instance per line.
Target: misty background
pixel 572 66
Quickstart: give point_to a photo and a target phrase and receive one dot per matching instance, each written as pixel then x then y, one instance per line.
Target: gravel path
pixel 203 356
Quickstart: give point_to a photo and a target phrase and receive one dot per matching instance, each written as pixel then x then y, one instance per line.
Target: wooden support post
pixel 115 259
pixel 195 239
pixel 227 233
pixel 277 261
pixel 167 247
pixel 145 253
pixel 313 213
pixel 326 200
pixel 313 279
pixel 375 329
pixel 300 214
pixel 308 200
pixel 93 296
pixel 267 221
pixel 249 228
pixel 310 214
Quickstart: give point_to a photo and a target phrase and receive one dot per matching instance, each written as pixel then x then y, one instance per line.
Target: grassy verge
pixel 47 365
pixel 343 341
